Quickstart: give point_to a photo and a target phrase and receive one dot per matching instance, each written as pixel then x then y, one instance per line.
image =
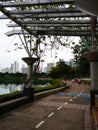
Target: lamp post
pixel 29 88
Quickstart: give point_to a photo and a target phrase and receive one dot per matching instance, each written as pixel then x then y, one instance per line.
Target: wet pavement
pixel 67 110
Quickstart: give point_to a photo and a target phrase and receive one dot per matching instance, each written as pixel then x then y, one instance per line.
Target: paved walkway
pixel 67 110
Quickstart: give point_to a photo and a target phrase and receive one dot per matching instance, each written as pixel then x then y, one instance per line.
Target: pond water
pixel 10 88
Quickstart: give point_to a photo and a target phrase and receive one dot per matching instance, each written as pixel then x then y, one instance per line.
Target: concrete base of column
pixel 92 57
pixel 93 94
pixel 29 92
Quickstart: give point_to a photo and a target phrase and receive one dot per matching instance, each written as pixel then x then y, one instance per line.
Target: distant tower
pixel 49 66
pixel 0 69
pixel 12 68
pixel 70 63
pixel 16 67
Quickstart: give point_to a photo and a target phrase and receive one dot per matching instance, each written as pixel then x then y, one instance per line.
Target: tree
pixel 82 64
pixel 61 70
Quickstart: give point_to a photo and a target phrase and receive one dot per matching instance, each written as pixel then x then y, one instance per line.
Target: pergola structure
pixel 47 17
pixel 51 17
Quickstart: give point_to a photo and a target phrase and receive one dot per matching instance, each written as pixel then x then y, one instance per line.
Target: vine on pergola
pixel 37 46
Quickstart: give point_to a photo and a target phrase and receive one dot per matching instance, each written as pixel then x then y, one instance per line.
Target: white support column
pixel 29 75
pixel 94 75
pixel 92 57
pixel 29 89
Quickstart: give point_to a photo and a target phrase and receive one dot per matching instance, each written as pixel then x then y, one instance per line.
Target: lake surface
pixel 10 88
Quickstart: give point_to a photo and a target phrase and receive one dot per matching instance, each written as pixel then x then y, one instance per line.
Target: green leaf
pixel 41 51
pixel 16 44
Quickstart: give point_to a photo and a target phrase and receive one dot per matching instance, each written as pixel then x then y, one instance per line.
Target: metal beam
pixel 56 22
pixel 55 32
pixel 15 32
pixel 53 25
pixel 69 33
pixel 63 29
pixel 49 15
pixel 3 17
pixel 13 18
pixel 37 3
pixel 49 20
pixel 45 11
pixel 57 29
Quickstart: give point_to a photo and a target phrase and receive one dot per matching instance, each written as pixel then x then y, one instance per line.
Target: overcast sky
pixel 7 44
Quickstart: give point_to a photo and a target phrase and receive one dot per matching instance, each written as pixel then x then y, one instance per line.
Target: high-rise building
pixel 70 63
pixel 12 68
pixel 0 69
pixel 16 67
pixel 49 66
pixel 4 70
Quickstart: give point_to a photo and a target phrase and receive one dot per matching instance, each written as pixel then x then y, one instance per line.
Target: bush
pixel 86 81
pixel 55 84
pixel 11 96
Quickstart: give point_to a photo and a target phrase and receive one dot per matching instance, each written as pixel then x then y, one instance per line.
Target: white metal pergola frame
pixel 47 21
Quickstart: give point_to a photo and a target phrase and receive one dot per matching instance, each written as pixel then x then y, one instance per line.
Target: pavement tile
pixel 54 112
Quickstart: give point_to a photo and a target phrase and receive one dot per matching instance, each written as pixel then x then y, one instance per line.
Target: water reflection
pixel 10 88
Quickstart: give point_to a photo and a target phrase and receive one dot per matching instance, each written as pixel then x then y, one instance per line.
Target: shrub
pixel 10 96
pixel 6 97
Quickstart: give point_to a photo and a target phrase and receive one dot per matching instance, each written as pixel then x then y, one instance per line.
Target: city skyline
pixel 15 67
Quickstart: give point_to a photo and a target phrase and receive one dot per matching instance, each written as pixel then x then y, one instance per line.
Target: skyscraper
pixel 16 67
pixel 12 68
pixel 49 66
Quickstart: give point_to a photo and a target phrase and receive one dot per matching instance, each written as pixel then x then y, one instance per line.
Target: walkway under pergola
pixel 48 17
